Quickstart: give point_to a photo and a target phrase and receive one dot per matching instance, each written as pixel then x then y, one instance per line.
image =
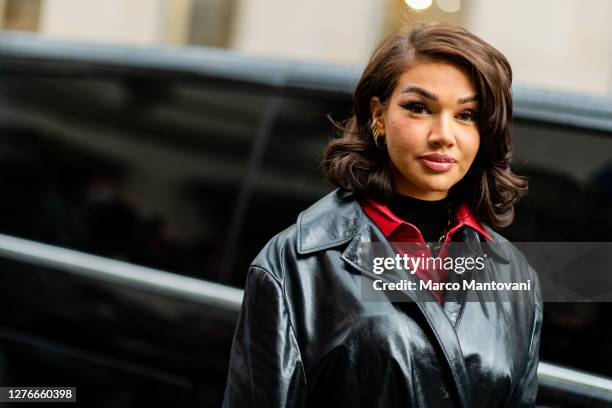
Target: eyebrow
pixel 472 98
pixel 420 91
pixel 428 95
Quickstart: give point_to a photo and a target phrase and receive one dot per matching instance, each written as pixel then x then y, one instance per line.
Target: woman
pixel 425 158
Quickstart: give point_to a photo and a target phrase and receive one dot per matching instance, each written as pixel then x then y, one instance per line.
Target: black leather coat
pixel 305 337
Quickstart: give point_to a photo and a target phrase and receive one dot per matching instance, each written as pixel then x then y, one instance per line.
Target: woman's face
pixel 430 128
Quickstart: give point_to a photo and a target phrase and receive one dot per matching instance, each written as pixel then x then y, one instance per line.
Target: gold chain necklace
pixel 436 246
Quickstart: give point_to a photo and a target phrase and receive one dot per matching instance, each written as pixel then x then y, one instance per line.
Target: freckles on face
pixel 431 129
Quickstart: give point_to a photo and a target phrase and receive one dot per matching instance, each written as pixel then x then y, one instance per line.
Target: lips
pixel 438 158
pixel 438 162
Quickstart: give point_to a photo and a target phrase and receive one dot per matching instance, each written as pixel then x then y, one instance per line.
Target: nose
pixel 441 132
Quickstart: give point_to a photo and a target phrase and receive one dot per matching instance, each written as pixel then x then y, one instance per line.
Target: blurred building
pixel 557 44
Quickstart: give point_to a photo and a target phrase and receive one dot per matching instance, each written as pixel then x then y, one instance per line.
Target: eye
pixel 416 107
pixel 468 115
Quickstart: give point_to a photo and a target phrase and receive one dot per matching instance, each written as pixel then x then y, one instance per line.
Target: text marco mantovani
pixel 458 265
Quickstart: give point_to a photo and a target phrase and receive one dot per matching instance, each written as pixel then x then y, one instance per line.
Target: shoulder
pixel 273 255
pixel 515 258
pixel 503 245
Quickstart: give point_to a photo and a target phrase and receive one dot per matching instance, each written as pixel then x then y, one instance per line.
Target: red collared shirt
pixel 397 230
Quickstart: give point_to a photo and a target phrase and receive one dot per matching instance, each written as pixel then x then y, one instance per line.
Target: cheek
pixel 403 134
pixel 469 145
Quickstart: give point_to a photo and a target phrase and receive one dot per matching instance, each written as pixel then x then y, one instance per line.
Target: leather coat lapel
pixel 360 254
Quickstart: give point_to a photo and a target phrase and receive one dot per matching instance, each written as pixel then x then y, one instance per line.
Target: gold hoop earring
pixel 377 133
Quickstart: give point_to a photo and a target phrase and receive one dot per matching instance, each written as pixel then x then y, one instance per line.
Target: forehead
pixel 439 77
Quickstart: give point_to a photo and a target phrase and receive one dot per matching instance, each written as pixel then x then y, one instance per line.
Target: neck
pixel 431 217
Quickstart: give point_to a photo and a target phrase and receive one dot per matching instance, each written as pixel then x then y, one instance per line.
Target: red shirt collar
pixel 389 222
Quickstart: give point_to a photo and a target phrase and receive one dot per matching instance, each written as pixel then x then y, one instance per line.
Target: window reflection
pixel 136 169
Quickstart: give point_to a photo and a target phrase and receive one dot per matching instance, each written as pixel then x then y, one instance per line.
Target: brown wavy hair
pixel 354 163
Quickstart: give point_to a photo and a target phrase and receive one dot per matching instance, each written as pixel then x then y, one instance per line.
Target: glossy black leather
pixel 305 338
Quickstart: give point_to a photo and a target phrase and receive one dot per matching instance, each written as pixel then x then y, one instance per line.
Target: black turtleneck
pixel 430 217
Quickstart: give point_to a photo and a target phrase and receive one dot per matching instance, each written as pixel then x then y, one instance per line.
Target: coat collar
pixel 332 221
pixel 336 219
pixel 388 222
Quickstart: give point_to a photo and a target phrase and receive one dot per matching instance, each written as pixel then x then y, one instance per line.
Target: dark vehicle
pixel 138 184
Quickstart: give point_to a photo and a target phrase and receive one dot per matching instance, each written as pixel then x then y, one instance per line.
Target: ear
pixel 377 109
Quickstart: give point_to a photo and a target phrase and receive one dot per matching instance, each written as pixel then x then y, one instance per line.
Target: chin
pixel 438 189
pixel 436 185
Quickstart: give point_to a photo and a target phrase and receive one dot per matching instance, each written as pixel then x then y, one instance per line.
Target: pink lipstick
pixel 438 162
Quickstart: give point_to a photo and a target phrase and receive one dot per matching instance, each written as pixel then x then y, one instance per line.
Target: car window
pixel 289 176
pixel 139 169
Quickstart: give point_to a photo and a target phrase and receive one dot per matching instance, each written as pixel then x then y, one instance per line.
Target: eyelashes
pixel 468 115
pixel 416 107
pixel 419 108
